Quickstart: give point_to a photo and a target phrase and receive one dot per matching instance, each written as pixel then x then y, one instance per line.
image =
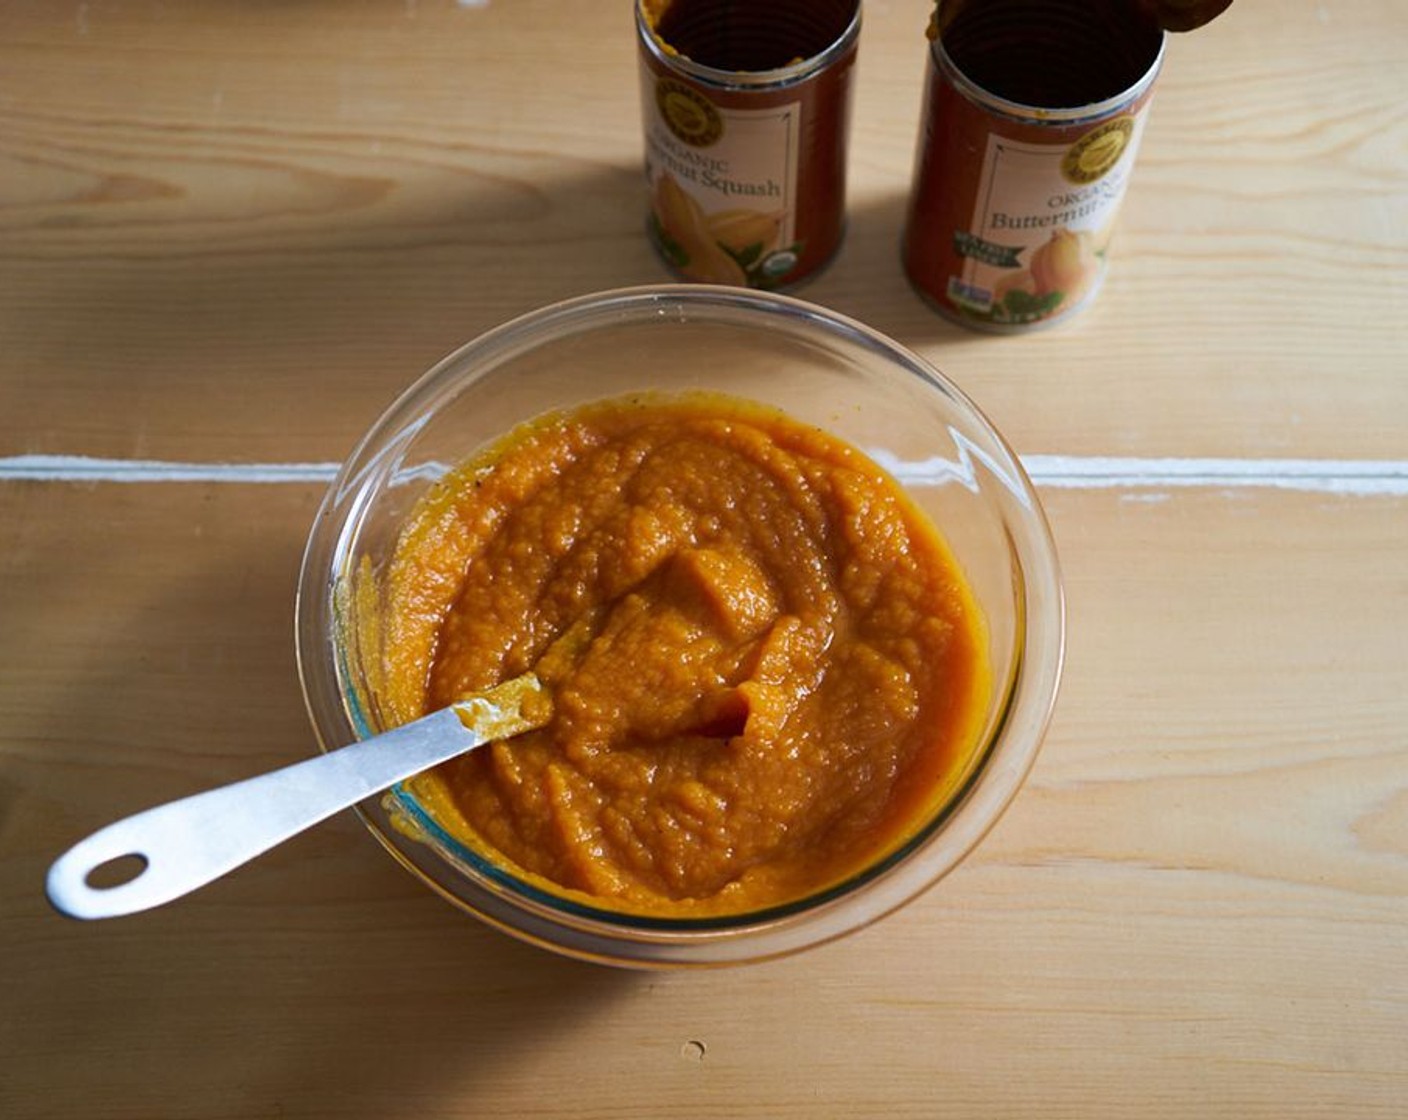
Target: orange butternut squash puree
pixel 766 669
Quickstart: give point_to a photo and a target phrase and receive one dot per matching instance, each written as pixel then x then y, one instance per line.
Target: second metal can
pixel 1033 114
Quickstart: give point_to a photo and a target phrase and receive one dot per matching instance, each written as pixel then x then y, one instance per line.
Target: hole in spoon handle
pixel 116 871
pixel 101 877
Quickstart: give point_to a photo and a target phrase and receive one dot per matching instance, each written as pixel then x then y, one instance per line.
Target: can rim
pixel 746 79
pixel 1018 110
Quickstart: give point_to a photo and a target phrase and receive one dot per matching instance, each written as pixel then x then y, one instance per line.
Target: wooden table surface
pixel 230 233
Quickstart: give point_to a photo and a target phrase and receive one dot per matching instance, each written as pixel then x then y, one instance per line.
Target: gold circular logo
pixel 1097 151
pixel 690 116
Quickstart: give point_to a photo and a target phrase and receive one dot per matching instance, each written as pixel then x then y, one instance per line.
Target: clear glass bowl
pixel 819 367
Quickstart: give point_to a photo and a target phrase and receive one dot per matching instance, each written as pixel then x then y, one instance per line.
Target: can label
pixel 1033 113
pixel 723 184
pixel 1041 223
pixel 746 110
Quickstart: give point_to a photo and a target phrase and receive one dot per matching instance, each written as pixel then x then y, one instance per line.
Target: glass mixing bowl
pixel 820 368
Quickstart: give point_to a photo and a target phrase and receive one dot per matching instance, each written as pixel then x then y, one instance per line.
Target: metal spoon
pixel 188 843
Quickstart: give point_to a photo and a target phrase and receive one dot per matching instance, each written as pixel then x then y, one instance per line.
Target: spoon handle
pixel 188 843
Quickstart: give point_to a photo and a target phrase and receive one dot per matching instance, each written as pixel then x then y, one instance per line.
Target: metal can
pixel 746 111
pixel 1033 114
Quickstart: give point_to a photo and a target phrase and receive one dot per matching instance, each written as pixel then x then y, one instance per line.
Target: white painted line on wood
pixel 1066 472
pixel 1333 476
pixel 82 468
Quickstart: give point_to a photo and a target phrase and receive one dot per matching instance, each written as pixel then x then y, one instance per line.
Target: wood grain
pixel 214 215
pixel 231 233
pixel 1195 908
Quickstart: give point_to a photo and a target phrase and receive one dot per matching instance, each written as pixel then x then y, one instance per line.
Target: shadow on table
pixel 360 998
pixel 867 280
pixel 319 979
pixel 220 330
pixel 217 329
